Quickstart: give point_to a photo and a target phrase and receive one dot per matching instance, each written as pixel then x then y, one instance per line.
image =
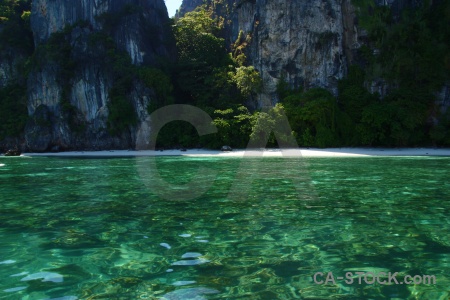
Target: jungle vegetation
pixel 408 52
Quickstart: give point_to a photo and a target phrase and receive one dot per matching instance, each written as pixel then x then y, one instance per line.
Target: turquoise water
pixel 105 229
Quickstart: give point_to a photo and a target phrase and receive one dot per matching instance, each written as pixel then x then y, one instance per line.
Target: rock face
pixel 8 67
pixel 188 6
pixel 300 41
pixel 130 19
pixel 69 89
pixel 306 48
pixel 308 43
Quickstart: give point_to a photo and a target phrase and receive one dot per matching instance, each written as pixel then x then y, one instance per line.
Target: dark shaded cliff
pixel 93 73
pixel 86 74
pixel 71 94
pixel 138 26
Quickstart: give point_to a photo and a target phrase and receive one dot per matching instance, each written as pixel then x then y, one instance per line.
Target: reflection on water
pixel 95 229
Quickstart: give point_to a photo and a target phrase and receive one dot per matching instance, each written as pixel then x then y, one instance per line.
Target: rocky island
pixel 86 75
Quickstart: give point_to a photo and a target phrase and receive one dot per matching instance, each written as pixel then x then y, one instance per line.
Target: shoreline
pixel 298 152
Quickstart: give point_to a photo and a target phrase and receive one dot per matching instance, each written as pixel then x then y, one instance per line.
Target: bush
pixel 16 32
pixel 13 111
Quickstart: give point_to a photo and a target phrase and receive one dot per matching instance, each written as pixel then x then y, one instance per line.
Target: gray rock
pixel 196 293
pixel 139 27
pixel 13 152
pixel 309 43
pixel 300 41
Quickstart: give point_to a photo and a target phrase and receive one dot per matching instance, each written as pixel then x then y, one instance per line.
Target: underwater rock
pixel 45 276
pixel 7 262
pixel 74 241
pixel 191 255
pixel 190 293
pixel 126 282
pixel 183 282
pixel 16 289
pixel 165 245
pixel 191 262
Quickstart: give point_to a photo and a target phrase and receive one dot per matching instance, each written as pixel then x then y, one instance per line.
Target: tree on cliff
pixel 202 58
pixel 15 20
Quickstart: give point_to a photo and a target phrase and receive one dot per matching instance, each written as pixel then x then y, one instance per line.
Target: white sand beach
pixel 300 152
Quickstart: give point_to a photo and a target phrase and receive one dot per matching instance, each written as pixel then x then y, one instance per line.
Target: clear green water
pixel 95 229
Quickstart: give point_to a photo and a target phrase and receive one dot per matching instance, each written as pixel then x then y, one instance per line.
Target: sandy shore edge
pixel 301 152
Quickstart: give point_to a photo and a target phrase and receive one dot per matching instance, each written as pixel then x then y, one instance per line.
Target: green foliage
pixel 269 126
pixel 203 85
pixel 397 120
pixel 353 100
pixel 412 56
pixel 247 80
pixel 178 134
pixel 15 39
pixel 58 50
pixel 410 52
pixel 313 116
pixel 208 77
pixel 206 74
pixel 197 39
pixel 353 96
pixel 9 8
pixel 408 117
pixel 203 63
pixel 13 111
pixel 160 83
pixel 16 32
pixel 358 118
pixel 238 48
pixel 375 120
pixel 121 113
pixel 284 90
pixel 440 134
pixel 262 128
pixel 112 19
pixel 375 19
pixel 26 17
pixel 234 127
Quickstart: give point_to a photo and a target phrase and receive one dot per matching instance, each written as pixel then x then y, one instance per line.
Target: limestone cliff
pixel 187 6
pixel 309 43
pixel 79 73
pixel 300 41
pixel 8 67
pixel 133 22
pixel 69 86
